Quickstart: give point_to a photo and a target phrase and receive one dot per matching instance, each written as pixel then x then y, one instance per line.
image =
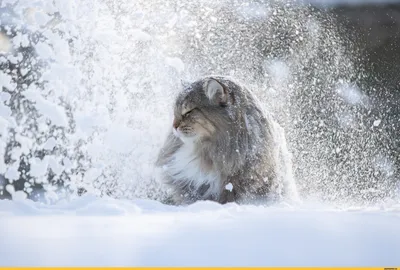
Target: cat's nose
pixel 176 123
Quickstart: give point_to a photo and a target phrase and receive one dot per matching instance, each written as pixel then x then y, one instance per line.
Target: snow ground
pixel 105 232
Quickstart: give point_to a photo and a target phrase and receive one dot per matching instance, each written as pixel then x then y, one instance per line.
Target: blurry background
pixel 87 88
pixel 374 27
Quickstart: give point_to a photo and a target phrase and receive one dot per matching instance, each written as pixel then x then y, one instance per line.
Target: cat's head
pixel 201 110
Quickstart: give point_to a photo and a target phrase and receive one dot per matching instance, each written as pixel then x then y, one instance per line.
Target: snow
pixel 16 195
pixel 48 109
pixel 352 94
pixel 347 2
pixel 50 144
pixel 39 167
pixel 3 126
pixel 176 63
pixel 4 111
pixel 229 187
pixel 12 173
pixel 141 35
pixel 44 50
pixel 253 11
pixel 377 122
pixel 41 18
pixel 68 9
pixel 20 40
pixel 6 81
pixel 5 45
pixel 119 75
pixel 105 232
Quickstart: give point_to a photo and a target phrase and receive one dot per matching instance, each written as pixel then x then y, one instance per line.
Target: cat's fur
pixel 223 146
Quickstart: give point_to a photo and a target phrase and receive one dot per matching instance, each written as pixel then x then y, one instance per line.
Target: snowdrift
pixel 106 232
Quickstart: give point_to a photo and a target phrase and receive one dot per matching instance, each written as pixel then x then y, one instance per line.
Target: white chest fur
pixel 185 167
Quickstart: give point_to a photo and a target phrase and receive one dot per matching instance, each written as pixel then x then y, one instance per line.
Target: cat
pixel 223 147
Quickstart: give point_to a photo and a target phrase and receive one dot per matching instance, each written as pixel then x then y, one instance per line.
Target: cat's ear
pixel 185 84
pixel 215 92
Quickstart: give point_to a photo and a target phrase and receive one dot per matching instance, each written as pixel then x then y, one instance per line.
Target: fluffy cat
pixel 223 147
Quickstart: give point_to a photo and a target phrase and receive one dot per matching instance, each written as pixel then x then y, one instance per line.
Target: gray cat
pixel 223 147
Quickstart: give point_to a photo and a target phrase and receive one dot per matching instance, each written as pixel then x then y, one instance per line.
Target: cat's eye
pixel 188 113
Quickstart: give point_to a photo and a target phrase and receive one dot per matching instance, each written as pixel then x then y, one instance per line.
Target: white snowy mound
pixel 104 232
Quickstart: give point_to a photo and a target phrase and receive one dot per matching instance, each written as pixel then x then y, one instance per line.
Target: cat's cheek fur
pixel 186 168
pixel 194 135
pixel 186 139
pixel 176 133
